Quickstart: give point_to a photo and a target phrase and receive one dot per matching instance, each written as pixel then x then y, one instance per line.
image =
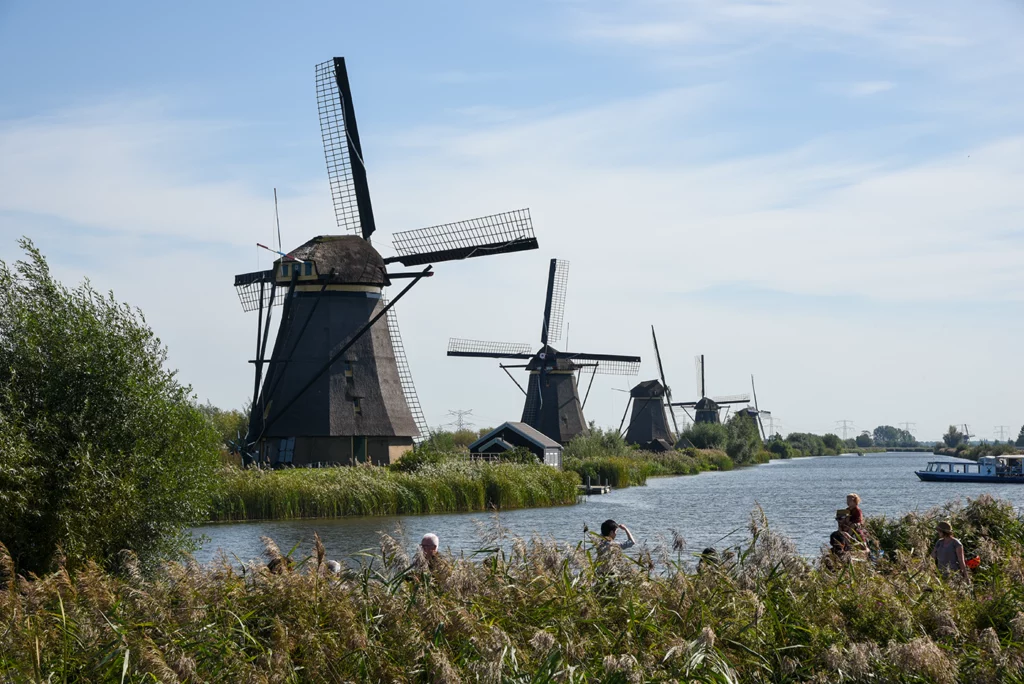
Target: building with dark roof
pixel 508 436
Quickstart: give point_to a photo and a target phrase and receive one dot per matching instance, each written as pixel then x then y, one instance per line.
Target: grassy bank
pixel 336 492
pixel 541 613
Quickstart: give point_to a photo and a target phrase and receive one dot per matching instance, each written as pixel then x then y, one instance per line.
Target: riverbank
pixel 449 487
pixel 761 614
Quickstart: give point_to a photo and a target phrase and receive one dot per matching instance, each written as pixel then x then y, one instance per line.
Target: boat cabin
pixel 961 468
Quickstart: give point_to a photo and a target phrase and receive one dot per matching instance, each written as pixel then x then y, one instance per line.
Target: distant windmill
pixel 756 413
pixel 337 387
pixel 648 427
pixel 706 409
pixel 553 403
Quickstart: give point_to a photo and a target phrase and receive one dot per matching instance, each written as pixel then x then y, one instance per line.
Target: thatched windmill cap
pixel 353 259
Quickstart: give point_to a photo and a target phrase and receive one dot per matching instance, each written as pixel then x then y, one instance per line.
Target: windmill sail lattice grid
pixel 605 367
pixel 405 376
pixel 560 284
pixel 336 149
pixel 248 286
pixel 464 346
pixel 495 234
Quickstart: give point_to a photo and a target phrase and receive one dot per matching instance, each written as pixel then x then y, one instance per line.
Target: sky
pixel 827 196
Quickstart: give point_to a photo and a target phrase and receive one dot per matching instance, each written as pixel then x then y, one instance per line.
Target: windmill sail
pixel 554 304
pixel 345 168
pixel 405 377
pixel 511 231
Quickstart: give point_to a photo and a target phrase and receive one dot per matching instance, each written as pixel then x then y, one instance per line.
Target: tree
pixel 1020 437
pixel 707 435
pixel 864 439
pixel 953 437
pixel 101 449
pixel 832 442
pixel 744 441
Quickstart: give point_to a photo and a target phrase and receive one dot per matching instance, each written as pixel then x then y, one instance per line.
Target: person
pixel 608 531
pixel 708 559
pixel 428 545
pixel 855 515
pixel 840 541
pixel 949 552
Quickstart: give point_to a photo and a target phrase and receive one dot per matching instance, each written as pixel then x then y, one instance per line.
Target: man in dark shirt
pixel 840 539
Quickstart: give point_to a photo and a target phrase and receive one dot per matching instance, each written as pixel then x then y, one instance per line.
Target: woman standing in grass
pixel 949 552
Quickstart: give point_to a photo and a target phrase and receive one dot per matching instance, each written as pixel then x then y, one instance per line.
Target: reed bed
pixel 539 613
pixel 367 490
pixel 630 468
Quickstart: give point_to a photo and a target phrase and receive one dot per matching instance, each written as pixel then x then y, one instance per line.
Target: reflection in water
pixel 799 497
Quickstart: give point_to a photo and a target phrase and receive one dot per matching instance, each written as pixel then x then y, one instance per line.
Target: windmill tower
pixel 755 413
pixel 336 388
pixel 706 409
pixel 648 427
pixel 553 403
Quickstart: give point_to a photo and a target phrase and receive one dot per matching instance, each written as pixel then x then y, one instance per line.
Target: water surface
pixel 799 496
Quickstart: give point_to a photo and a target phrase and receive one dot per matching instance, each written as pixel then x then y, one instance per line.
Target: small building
pixel 508 436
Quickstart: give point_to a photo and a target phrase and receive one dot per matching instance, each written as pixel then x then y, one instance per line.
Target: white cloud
pixel 862 88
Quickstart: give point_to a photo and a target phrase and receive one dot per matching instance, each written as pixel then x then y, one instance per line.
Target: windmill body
pixel 553 404
pixel 336 388
pixel 648 427
pixel 552 397
pixel 708 409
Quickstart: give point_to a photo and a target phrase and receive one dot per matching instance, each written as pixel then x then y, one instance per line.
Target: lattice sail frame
pixel 732 399
pixel 335 135
pixel 560 284
pixel 611 367
pixel 494 234
pixel 460 345
pixel 405 376
pixel 248 286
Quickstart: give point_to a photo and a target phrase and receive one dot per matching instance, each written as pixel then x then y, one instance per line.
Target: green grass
pixel 540 613
pixel 366 490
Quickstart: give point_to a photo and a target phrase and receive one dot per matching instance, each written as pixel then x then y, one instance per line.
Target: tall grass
pixel 367 490
pixel 539 613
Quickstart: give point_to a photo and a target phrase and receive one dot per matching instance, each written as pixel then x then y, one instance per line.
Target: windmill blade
pixel 511 231
pixel 608 364
pixel 490 350
pixel 732 399
pixel 698 362
pixel 685 404
pixel 345 168
pixel 248 286
pixel 405 377
pixel 554 303
pixel 756 408
pixel 664 383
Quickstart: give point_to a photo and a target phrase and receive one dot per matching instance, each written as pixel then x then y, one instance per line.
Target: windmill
pixel 553 403
pixel 756 413
pixel 337 388
pixel 648 427
pixel 706 409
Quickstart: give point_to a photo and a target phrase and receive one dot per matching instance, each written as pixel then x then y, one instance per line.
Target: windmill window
pixel 357 406
pixel 348 369
pixel 284 270
pixel 309 268
pixel 286 450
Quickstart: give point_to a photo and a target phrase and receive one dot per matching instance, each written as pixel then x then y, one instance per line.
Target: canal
pixel 799 497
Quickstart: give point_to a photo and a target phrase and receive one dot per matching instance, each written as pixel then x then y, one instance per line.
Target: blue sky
pixel 826 195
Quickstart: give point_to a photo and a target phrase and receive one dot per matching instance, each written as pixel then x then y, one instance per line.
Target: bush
pixel 707 435
pixel 744 439
pixel 100 448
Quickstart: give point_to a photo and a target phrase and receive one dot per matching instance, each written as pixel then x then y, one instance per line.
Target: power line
pixel 908 426
pixel 845 426
pixel 1001 430
pixel 460 422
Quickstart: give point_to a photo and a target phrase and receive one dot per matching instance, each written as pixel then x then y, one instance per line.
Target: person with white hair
pixel 428 545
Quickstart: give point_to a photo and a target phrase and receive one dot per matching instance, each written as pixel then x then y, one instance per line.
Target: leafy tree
pixel 1020 437
pixel 953 437
pixel 230 424
pixel 807 443
pixel 744 439
pixel 779 446
pixel 101 449
pixel 832 442
pixel 864 439
pixel 707 435
pixel 889 436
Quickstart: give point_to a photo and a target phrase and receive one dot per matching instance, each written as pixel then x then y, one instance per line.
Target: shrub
pixel 101 449
pixel 707 435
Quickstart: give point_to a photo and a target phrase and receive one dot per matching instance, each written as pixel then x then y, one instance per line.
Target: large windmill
pixel 648 427
pixel 706 409
pixel 553 403
pixel 336 388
